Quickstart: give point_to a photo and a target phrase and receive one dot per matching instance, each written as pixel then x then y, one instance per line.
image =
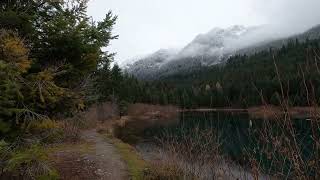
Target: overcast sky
pixel 144 26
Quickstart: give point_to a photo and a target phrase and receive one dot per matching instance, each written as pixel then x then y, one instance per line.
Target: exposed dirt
pixel 106 157
pixel 94 159
pixel 74 166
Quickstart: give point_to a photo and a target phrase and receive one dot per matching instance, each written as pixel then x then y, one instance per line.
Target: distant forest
pixel 287 74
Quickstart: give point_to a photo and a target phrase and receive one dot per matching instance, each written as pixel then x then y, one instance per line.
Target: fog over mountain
pixel 211 48
pixel 229 39
pixel 145 26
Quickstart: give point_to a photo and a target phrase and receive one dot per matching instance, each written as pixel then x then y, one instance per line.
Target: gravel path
pixel 108 161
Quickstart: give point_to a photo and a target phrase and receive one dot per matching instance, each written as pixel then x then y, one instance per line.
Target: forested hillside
pixel 245 80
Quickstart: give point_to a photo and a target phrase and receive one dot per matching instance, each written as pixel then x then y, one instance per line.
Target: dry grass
pixel 284 147
pixel 270 112
pixel 139 109
pixel 194 154
pixel 142 116
pixel 102 112
pixel 280 143
pixel 100 116
pixel 164 170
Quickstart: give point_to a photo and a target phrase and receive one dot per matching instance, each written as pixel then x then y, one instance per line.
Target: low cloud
pixel 289 16
pixel 145 26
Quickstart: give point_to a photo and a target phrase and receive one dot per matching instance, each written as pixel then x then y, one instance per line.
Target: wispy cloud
pixel 145 26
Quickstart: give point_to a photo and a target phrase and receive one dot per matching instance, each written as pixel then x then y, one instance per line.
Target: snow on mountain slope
pixel 213 42
pixel 205 50
pixel 151 64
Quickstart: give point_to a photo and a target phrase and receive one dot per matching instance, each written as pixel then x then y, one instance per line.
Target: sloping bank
pixel 127 131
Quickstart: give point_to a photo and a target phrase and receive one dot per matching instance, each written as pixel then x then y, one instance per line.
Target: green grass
pixel 136 165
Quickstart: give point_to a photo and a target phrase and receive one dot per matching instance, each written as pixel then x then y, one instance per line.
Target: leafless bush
pixel 70 131
pixel 71 127
pixel 195 153
pixel 102 112
pixel 283 146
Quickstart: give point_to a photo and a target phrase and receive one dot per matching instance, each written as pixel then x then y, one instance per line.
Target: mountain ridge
pixel 212 48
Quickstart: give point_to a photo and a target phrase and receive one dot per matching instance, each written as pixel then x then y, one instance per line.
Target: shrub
pixel 164 171
pixel 5 153
pixel 70 131
pixel 192 154
pixel 31 163
pixel 50 131
pixel 44 125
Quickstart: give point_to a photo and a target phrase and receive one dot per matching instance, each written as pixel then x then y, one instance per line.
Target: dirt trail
pixel 108 161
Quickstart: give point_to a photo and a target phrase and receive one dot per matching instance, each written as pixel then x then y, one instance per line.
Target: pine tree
pixel 14 62
pixel 65 47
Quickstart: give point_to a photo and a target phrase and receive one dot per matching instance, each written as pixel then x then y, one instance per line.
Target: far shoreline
pixel 265 112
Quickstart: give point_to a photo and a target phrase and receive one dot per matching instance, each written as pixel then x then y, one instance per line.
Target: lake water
pixel 241 135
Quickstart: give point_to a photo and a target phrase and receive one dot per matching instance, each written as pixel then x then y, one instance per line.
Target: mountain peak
pixel 212 48
pixel 214 41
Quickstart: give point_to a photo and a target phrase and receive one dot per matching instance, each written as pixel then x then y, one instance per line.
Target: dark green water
pixel 241 137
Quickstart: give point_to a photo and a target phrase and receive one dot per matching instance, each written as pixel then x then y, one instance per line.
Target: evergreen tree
pixel 47 73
